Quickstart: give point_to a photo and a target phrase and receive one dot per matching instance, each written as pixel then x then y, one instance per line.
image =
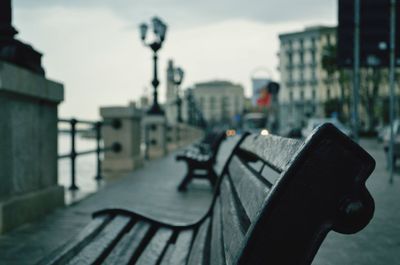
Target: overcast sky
pixel 93 46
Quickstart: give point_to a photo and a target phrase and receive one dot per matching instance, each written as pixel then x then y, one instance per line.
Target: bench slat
pixel 270 175
pixel 250 190
pixel 98 247
pixel 217 251
pixel 199 254
pixel 128 245
pixel 168 254
pixel 70 250
pixel 154 250
pixel 257 166
pixel 178 253
pixel 233 230
pixel 276 151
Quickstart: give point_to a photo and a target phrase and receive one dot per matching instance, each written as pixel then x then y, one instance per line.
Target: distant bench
pixel 200 159
pixel 275 201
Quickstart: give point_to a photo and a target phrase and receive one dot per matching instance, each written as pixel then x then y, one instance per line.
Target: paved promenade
pixel 152 190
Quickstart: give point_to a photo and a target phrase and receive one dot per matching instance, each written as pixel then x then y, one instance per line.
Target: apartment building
pixel 219 101
pixel 304 84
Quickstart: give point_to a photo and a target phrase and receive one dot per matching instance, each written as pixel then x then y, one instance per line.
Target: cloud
pixel 96 52
pixel 182 13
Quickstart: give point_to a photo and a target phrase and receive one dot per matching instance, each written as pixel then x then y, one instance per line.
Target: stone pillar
pixel 28 146
pixel 155 129
pixel 128 135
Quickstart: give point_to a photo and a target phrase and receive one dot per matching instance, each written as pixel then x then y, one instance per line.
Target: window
pixel 301 75
pixel 313 43
pixel 290 58
pixel 290 44
pixel 224 107
pixel 212 102
pixel 202 103
pixel 290 77
pixel 313 57
pixel 237 104
pixel 301 58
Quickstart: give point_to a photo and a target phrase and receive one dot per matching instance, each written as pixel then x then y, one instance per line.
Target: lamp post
pixel 178 78
pixel 159 30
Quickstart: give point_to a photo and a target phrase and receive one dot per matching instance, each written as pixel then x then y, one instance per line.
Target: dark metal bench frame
pixel 311 196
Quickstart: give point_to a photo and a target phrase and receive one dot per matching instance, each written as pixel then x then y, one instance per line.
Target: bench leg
pixel 189 176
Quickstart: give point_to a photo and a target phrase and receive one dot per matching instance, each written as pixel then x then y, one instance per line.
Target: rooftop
pixel 215 83
pixel 310 30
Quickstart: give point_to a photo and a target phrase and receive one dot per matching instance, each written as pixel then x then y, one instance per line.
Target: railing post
pixel 98 151
pixel 146 142
pixel 73 154
pixel 178 135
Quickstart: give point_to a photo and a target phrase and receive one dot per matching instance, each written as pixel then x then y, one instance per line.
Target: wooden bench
pixel 210 141
pixel 275 202
pixel 200 160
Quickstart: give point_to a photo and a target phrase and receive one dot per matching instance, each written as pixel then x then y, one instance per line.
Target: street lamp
pixel 159 31
pixel 178 78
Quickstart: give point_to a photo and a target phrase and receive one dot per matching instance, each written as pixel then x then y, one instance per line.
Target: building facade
pixel 305 86
pixel 219 101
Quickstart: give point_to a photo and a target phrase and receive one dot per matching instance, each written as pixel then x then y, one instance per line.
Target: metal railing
pixel 97 125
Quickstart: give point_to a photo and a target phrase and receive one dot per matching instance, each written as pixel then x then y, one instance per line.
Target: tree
pixel 372 79
pixel 336 75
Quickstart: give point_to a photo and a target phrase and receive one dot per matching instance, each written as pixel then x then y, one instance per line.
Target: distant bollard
pixel 124 135
pixel 154 127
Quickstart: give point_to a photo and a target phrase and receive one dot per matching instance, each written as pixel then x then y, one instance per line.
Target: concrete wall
pixel 28 146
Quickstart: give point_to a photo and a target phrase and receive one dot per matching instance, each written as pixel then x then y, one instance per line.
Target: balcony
pixel 290 83
pixel 313 82
pixel 301 83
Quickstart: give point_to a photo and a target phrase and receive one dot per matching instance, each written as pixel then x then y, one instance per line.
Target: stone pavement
pixel 152 190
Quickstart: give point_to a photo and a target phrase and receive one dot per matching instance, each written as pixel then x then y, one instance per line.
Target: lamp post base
pixel 156 110
pixel 19 53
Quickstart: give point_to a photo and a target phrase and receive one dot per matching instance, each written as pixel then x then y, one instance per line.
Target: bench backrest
pixel 278 198
pixel 215 145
